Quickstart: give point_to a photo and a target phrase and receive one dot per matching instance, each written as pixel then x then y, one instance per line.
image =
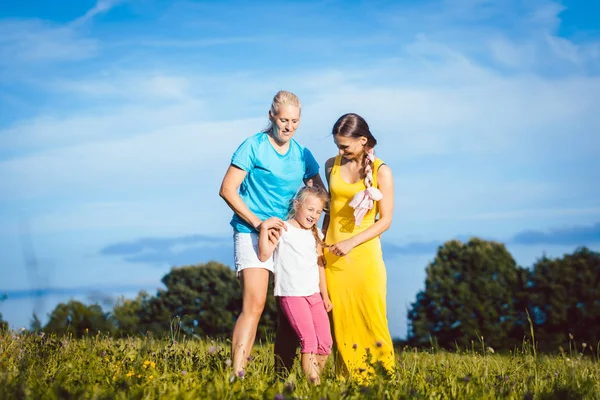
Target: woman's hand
pixel 327 303
pixel 274 227
pixel 342 248
pixel 271 223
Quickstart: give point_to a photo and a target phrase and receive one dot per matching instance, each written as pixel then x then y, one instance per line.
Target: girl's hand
pixel 328 304
pixel 342 248
pixel 274 235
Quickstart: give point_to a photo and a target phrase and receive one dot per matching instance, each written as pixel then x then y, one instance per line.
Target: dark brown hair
pixel 354 126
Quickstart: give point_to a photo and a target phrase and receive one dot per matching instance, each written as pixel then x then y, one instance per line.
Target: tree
pixel 564 299
pixel 78 319
pixel 126 314
pixel 35 324
pixel 3 323
pixel 469 292
pixel 206 298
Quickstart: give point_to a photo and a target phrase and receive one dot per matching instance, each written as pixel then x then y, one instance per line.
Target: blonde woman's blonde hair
pixel 281 99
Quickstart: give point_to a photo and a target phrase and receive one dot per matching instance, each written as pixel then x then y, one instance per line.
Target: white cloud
pixel 171 154
pixel 33 41
pixel 152 144
pixel 101 6
pixel 160 130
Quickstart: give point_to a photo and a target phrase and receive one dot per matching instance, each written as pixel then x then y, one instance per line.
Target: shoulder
pixel 289 230
pixel 380 165
pixel 383 171
pixel 329 164
pixel 328 167
pixel 258 138
pixel 297 147
pixel 254 140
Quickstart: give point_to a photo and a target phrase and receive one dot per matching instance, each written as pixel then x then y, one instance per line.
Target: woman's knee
pixel 253 307
pixel 255 283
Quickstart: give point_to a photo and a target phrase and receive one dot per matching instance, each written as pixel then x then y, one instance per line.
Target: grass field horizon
pixel 38 365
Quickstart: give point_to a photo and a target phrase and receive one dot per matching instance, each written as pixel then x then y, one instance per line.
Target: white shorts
pixel 245 252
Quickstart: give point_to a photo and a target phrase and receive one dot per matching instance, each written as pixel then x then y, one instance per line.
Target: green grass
pixel 97 367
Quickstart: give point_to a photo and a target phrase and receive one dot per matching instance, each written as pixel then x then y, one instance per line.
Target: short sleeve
pixel 245 154
pixel 311 165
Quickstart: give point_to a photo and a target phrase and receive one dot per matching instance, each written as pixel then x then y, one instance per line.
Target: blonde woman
pixel 265 172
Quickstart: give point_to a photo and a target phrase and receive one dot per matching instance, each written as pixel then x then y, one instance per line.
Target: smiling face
pixel 285 123
pixel 350 148
pixel 308 211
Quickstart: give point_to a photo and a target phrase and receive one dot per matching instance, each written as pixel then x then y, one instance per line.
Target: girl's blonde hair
pixel 282 98
pixel 301 197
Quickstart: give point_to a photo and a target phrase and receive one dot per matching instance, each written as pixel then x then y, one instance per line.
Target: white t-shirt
pixel 296 265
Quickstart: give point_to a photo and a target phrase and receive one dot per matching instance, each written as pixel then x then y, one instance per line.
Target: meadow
pixel 99 367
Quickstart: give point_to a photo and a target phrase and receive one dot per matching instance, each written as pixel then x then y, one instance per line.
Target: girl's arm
pixel 266 245
pixel 323 281
pixel 385 184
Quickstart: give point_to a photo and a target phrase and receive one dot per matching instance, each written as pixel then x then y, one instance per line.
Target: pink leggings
pixel 308 318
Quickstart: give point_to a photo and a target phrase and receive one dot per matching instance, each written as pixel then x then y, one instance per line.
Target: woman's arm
pixel 385 184
pixel 229 192
pixel 328 167
pixel 315 181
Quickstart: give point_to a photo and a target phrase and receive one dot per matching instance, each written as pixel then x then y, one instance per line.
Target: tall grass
pixel 176 367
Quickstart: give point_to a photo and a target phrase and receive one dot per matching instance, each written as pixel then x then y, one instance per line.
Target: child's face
pixel 309 212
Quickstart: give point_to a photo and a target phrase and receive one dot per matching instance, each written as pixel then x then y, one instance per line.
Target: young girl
pixel 300 286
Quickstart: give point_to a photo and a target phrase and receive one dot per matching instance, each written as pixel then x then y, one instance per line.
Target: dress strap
pixel 336 166
pixel 376 164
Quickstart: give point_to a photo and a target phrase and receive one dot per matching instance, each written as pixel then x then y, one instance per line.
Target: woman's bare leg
pixel 255 283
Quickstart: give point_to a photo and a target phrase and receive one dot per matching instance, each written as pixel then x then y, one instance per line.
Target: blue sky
pixel 118 120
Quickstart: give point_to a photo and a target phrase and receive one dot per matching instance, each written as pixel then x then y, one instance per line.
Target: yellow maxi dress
pixel 356 285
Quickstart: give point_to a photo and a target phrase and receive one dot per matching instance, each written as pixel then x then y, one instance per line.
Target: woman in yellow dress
pixel 361 188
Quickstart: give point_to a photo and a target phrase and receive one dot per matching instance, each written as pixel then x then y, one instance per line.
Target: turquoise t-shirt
pixel 272 179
